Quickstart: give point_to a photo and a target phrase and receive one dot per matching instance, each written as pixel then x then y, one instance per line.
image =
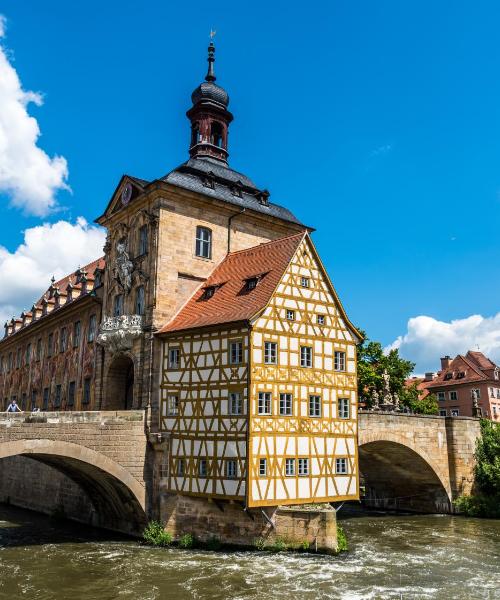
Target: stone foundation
pixel 231 524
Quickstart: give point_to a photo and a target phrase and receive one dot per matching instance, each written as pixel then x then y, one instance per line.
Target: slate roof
pixel 190 176
pixel 232 301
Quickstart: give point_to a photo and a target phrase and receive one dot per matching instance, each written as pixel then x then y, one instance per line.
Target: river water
pixel 438 557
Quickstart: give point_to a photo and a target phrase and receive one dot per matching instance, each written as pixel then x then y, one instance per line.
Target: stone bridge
pixel 102 453
pixel 416 462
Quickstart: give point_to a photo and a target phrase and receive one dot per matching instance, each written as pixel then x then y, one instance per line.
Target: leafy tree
pixel 372 362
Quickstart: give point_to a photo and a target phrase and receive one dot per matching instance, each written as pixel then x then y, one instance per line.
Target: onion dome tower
pixel 209 117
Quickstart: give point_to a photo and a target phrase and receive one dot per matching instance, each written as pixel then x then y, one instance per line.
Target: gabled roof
pixel 232 301
pixel 470 364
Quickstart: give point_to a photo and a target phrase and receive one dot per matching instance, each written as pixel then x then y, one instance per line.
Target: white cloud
pixel 381 150
pixel 427 339
pixel 49 249
pixel 28 176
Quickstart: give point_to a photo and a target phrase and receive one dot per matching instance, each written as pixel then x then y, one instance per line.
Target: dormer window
pixel 461 374
pixel 263 198
pixel 448 376
pixel 252 283
pixel 209 182
pixel 236 190
pixel 208 292
pixel 216 134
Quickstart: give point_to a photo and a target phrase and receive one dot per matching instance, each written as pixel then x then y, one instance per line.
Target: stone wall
pixel 231 524
pixel 30 484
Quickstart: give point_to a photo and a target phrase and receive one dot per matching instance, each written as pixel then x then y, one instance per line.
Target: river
pixel 417 557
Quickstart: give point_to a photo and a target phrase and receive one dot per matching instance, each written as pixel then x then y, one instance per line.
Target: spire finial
pixel 210 76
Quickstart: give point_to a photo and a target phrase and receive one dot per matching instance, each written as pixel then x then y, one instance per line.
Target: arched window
pixel 216 134
pixel 203 242
pixel 195 134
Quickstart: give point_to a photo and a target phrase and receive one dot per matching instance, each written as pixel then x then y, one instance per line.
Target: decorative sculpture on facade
pixel 117 334
pixel 123 266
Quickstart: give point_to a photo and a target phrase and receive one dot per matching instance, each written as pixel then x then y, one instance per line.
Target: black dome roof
pixel 208 90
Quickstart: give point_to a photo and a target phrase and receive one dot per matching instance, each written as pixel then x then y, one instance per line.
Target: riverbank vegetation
pixel 155 535
pixel 485 502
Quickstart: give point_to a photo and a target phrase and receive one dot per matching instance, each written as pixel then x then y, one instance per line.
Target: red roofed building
pixel 464 381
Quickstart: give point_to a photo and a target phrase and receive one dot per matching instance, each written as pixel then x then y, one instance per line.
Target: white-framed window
pixel 263 467
pixel 441 396
pixel 315 406
pixel 290 467
pixel 181 467
pixel 305 282
pixel 236 352
pixel 203 242
pixel 492 392
pixel 303 467
pixel 494 406
pixel 343 408
pixel 320 319
pixel 306 356
pixel 231 468
pixel 172 405
pixel 286 403
pixel 264 407
pixel 339 360
pixel 443 412
pixel 454 412
pixel 202 467
pixel 235 403
pixel 270 353
pixel 498 392
pixel 341 466
pixel 453 395
pixel 174 358
pixel 290 314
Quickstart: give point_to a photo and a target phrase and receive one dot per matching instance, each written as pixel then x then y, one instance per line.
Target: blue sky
pixel 378 123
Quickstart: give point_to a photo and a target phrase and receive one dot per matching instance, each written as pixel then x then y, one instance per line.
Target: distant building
pixel 460 381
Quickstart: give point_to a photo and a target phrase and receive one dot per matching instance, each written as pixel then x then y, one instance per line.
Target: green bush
pixel 279 545
pixel 486 502
pixel 259 543
pixel 155 535
pixel 186 541
pixel 341 540
pixel 305 546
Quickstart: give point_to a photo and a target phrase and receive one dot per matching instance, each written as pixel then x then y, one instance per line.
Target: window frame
pixel 441 396
pixel 87 392
pixel 305 282
pixel 343 408
pixel 339 361
pixel 320 319
pixel 270 353
pixel 238 344
pixel 140 303
pixel 303 467
pixel 71 393
pixel 173 405
pixel 63 340
pixel 143 240
pixel 92 330
pixel 341 460
pixel 227 469
pixel 283 404
pixel 315 406
pixel 202 244
pixel 263 398
pixel 290 467
pixel 290 314
pixel 231 397
pixel 306 357
pixel 263 467
pixel 118 305
pixel 171 364
pixel 203 468
pixel 455 393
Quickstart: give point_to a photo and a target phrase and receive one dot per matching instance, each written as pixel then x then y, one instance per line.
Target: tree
pixel 372 362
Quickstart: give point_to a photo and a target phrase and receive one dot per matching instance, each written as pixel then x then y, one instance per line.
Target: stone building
pixel 211 310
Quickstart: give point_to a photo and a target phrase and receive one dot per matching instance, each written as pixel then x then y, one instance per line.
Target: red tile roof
pixel 473 364
pixel 232 301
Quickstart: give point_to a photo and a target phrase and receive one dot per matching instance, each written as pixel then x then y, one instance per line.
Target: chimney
pixel 429 376
pixel 445 362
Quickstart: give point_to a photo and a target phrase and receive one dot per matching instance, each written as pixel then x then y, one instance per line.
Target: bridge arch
pixel 399 475
pixel 118 498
